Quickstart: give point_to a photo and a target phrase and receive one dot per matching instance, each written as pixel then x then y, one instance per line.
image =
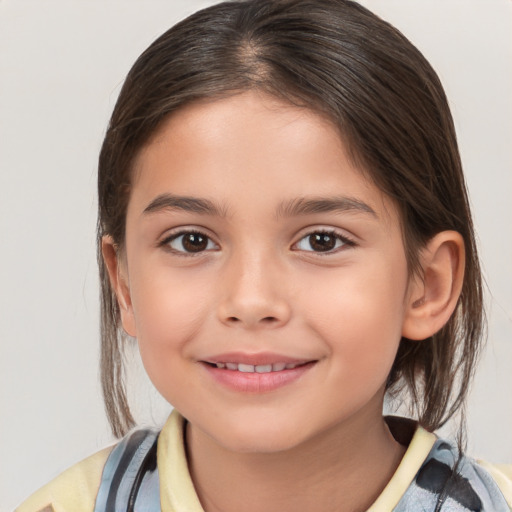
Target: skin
pixel 260 285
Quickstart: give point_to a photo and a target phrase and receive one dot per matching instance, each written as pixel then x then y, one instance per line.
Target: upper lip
pixel 255 359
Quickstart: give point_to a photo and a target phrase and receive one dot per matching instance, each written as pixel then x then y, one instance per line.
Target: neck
pixel 343 469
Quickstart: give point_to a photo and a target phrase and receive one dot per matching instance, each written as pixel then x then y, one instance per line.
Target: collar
pixel 177 493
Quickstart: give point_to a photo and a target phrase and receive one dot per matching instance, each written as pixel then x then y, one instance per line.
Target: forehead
pixel 253 115
pixel 251 146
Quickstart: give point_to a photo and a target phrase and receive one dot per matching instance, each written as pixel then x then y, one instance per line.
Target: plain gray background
pixel 61 66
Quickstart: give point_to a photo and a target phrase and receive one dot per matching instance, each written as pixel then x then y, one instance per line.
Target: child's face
pixel 252 239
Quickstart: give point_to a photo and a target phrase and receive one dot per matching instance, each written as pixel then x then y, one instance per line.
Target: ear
pixel 118 275
pixel 433 294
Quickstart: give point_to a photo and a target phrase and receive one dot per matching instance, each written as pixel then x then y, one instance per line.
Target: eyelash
pixel 345 241
pixel 342 240
pixel 166 243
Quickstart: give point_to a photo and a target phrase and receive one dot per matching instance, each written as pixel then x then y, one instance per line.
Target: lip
pixel 257 358
pixel 256 383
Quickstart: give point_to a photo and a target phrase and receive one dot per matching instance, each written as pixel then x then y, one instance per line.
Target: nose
pixel 253 294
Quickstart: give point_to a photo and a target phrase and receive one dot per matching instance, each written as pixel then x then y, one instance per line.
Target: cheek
pixel 359 313
pixel 169 309
pixel 164 296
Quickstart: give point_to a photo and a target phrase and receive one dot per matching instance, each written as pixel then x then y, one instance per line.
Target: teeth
pixel 261 368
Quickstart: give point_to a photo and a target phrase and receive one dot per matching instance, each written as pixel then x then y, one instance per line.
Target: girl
pixel 284 228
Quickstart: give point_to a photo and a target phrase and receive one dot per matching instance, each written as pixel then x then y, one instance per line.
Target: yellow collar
pixel 177 493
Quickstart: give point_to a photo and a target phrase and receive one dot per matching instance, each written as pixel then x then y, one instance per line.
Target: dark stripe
pixel 148 465
pixel 439 478
pixel 131 448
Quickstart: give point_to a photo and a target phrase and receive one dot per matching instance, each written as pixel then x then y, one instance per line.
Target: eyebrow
pixel 305 206
pixel 184 203
pixel 294 207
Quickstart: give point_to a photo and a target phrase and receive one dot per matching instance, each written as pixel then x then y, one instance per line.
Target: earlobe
pixel 433 295
pixel 119 281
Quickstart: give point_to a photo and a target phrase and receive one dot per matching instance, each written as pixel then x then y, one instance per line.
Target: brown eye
pixel 323 241
pixel 194 242
pixel 190 242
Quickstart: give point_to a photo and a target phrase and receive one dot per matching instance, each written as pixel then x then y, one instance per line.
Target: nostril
pixel 265 320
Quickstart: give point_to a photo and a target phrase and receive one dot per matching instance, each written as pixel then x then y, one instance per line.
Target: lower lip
pixel 257 382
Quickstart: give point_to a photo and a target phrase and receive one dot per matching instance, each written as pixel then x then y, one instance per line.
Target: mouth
pixel 256 373
pixel 256 368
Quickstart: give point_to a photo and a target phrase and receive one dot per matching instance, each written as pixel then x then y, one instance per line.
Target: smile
pixel 260 368
pixel 256 373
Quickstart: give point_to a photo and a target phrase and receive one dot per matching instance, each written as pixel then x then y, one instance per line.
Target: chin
pixel 259 437
pixel 262 443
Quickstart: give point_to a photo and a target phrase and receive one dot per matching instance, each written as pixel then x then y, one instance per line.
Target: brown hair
pixel 339 59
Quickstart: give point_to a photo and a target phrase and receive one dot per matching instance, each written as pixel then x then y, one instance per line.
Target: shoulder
pixel 502 475
pixel 434 473
pixel 460 482
pixel 110 478
pixel 74 490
